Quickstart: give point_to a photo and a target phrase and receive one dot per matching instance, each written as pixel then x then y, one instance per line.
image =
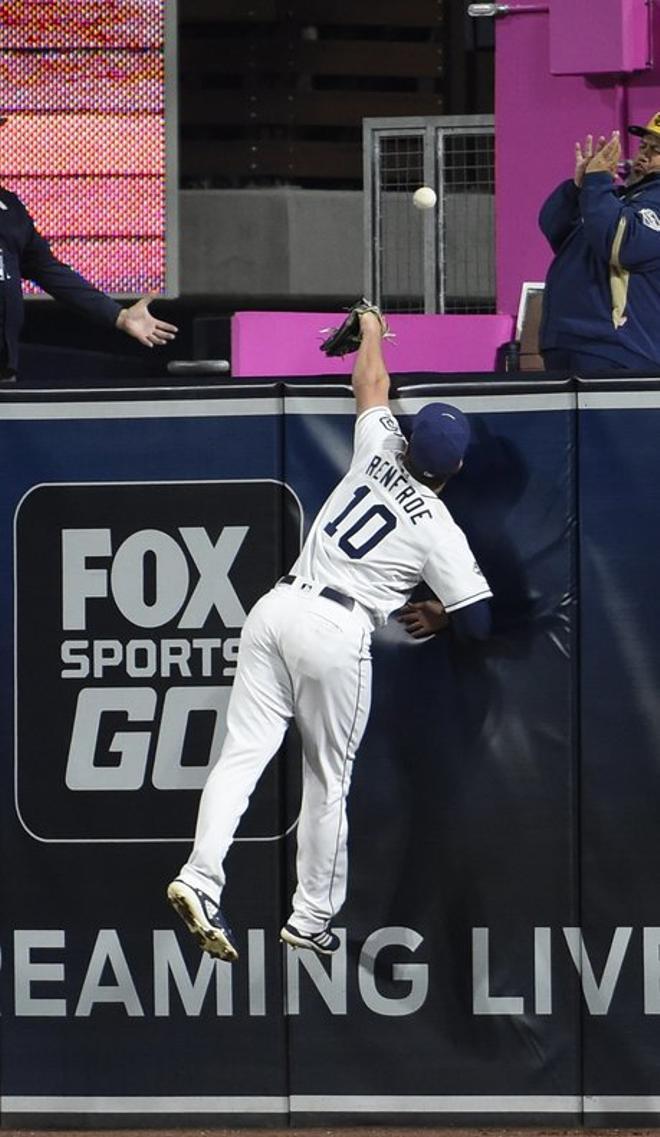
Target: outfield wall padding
pixel 500 953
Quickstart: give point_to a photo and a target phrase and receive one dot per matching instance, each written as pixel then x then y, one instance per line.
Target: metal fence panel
pixel 440 259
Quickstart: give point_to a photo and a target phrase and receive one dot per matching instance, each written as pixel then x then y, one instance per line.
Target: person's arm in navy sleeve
pixel 560 213
pixel 473 622
pixel 39 264
pixel 427 617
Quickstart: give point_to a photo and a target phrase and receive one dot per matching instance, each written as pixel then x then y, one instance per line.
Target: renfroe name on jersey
pixel 394 479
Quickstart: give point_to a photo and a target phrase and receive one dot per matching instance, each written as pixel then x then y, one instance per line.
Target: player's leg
pixel 332 698
pixel 260 709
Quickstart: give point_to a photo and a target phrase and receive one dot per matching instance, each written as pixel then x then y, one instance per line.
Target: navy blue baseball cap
pixel 439 439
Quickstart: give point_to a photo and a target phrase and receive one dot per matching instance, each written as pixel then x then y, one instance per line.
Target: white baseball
pixel 424 198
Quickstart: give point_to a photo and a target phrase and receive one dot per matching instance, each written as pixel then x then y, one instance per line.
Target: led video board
pixel 88 145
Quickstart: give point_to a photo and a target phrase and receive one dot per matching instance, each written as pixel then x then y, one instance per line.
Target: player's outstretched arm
pixel 370 379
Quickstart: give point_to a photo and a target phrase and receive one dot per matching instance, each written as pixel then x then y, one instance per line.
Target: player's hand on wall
pixel 138 322
pixel 606 158
pixel 584 152
pixel 424 618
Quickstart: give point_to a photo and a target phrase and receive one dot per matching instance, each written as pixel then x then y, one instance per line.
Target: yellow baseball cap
pixel 652 127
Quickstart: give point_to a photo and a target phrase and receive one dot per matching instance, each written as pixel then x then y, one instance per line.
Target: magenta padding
pixel 288 343
pixel 621 46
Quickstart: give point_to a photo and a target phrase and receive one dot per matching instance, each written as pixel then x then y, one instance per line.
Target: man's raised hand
pixel 584 152
pixel 606 158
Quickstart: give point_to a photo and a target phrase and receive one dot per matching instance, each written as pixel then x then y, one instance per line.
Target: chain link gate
pixel 439 260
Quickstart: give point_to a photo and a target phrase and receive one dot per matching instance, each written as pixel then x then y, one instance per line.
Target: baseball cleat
pixel 348 336
pixel 323 943
pixel 204 919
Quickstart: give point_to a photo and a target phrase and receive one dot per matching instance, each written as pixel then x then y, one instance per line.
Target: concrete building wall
pixel 271 243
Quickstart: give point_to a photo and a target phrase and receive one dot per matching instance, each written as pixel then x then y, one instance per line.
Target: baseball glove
pixel 347 337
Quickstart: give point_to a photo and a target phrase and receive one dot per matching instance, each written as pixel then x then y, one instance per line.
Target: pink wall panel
pixel 287 343
pixel 618 44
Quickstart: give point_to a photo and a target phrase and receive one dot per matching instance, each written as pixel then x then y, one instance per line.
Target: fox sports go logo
pixel 130 600
pixel 153 580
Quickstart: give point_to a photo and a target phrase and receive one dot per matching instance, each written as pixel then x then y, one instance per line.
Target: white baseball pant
pixel 306 657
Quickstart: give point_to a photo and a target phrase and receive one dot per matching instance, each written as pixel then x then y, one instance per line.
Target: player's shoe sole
pixel 323 943
pixel 203 919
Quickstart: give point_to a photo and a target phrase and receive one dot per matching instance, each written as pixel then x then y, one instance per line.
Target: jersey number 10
pixel 346 541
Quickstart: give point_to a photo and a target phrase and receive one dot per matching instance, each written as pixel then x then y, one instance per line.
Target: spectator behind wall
pixel 25 254
pixel 602 292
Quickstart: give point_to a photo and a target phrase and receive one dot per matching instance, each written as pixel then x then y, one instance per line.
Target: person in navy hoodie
pixel 601 303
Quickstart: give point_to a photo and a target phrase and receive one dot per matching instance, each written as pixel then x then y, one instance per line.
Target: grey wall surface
pixel 271 243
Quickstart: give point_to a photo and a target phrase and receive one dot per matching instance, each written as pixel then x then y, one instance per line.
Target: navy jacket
pixel 24 253
pixel 602 292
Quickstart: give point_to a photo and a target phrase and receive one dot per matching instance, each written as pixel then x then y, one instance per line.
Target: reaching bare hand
pixel 424 618
pixel 584 152
pixel 138 322
pixel 606 158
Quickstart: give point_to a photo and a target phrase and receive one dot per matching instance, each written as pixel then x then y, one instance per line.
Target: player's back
pixel 380 529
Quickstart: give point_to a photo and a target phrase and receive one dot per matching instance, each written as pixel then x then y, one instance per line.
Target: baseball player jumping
pixel 305 646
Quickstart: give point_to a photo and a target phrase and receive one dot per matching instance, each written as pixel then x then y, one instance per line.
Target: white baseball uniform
pixel 305 654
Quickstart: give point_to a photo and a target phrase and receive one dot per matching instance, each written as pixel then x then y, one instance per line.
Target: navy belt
pixel 326 591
